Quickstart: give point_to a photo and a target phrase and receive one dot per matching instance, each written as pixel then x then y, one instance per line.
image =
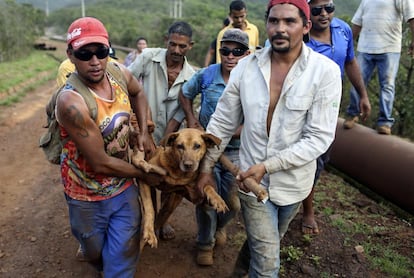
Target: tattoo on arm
pixel 74 116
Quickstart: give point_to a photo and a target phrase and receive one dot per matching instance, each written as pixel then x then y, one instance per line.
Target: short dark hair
pixel 140 39
pixel 237 5
pixel 226 21
pixel 182 28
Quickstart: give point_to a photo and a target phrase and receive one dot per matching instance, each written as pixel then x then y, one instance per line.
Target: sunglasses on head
pixel 86 55
pixel 236 51
pixel 330 8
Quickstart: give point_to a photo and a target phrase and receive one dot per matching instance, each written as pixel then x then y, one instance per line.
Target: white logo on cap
pixel 78 43
pixel 75 33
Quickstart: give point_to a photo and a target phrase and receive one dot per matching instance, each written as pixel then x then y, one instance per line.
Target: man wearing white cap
pixel 98 180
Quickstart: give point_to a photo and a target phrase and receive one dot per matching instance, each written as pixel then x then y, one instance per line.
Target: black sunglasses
pixel 330 8
pixel 237 52
pixel 86 55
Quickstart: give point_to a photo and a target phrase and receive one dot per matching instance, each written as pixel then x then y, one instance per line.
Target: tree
pixel 18 32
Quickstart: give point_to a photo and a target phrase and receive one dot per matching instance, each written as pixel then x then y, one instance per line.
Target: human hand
pixel 154 179
pixel 146 144
pixel 256 172
pixel 194 123
pixel 365 108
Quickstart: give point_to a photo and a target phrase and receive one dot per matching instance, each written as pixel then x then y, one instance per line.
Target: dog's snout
pixel 188 165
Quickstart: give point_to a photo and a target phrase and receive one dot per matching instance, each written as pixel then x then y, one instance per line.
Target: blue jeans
pixel 387 65
pixel 266 224
pixel 108 232
pixel 208 220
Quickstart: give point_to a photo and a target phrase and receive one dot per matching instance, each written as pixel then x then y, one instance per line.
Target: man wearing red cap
pixel 288 97
pixel 98 180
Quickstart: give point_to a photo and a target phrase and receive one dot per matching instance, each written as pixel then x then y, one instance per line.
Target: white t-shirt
pixel 381 22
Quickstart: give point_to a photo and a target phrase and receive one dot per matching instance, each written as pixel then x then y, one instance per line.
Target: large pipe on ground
pixel 385 164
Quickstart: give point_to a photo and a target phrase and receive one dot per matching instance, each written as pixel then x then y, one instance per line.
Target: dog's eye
pixel 180 146
pixel 197 146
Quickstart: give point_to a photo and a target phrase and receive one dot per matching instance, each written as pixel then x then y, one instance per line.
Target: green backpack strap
pixel 115 71
pixel 90 101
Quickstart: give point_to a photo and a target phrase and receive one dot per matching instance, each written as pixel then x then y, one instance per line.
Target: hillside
pixel 345 8
pixel 125 19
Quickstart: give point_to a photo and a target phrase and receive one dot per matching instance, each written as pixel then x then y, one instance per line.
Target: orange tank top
pixel 79 181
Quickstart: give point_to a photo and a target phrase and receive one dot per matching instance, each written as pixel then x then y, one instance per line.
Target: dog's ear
pixel 169 139
pixel 211 140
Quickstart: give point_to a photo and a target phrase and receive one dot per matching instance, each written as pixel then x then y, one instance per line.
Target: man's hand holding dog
pixel 154 179
pixel 255 172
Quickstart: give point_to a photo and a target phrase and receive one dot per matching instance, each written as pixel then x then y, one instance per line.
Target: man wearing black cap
pixel 288 98
pixel 210 82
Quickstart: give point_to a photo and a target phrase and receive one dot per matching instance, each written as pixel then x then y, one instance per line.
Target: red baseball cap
pixel 301 4
pixel 86 30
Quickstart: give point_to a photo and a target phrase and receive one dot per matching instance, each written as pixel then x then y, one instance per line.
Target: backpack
pixel 50 141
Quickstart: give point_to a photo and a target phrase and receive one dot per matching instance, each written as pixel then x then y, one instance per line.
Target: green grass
pixel 291 253
pixel 16 72
pixel 351 222
pixel 33 71
pixel 390 262
pixel 17 96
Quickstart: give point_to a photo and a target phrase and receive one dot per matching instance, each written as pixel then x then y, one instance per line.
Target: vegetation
pixel 20 25
pixel 356 225
pixel 125 20
pixel 39 67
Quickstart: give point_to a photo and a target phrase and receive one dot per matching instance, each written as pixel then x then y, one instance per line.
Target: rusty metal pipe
pixel 385 164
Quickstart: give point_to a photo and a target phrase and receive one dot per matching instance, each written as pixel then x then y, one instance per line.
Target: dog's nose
pixel 188 165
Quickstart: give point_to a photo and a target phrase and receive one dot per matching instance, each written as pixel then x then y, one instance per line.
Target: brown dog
pixel 180 155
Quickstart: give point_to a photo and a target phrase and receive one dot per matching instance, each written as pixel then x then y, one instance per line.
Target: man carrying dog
pixel 163 72
pixel 210 82
pixel 100 191
pixel 288 98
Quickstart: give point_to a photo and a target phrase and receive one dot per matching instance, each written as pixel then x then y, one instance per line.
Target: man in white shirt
pixel 288 97
pixel 379 28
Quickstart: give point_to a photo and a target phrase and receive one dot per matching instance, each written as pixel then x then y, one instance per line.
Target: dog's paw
pixel 214 199
pixel 150 238
pixel 218 204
